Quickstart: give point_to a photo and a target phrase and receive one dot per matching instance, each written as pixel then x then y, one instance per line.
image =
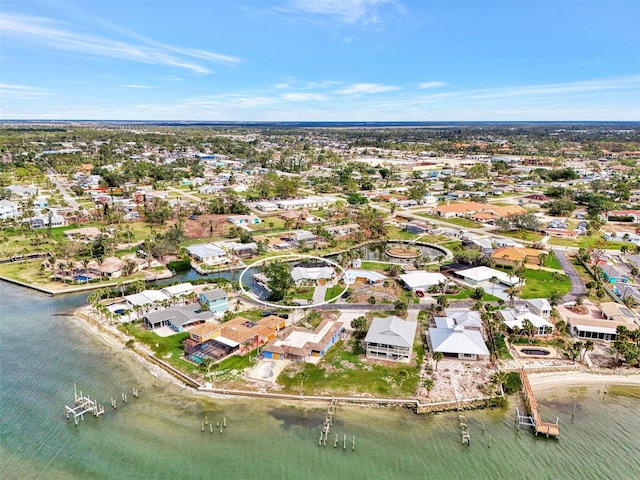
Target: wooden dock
pixel 533 419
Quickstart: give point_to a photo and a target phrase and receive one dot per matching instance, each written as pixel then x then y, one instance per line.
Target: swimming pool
pixel 535 351
pixel 266 369
pixel 82 278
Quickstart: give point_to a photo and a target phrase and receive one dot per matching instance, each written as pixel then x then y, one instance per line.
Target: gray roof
pixel 458 340
pixel 465 318
pixel 179 316
pixel 539 303
pixel 215 294
pixel 391 331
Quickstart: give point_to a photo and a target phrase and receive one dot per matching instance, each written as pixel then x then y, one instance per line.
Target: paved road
pixel 61 185
pixel 185 194
pixel 577 285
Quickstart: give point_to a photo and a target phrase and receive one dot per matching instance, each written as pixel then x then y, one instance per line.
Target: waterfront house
pixel 179 291
pixel 515 318
pixel 313 275
pixel 458 342
pixel 418 227
pixel 216 300
pixel 178 318
pixel 469 319
pixel 390 338
pixel 302 345
pixel 208 253
pixel 600 323
pixel 354 275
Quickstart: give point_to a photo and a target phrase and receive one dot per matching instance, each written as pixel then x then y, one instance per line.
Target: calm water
pixel 158 435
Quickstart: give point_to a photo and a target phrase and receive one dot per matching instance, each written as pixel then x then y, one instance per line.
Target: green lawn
pixel 333 292
pixel 551 261
pixel 168 349
pixel 541 284
pixel 373 266
pixel 451 245
pixel 304 293
pixel 342 372
pixel 466 293
pixel 461 222
pixel 525 235
pixel 235 362
pixel 395 233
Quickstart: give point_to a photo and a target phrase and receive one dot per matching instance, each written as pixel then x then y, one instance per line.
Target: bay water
pixel 44 350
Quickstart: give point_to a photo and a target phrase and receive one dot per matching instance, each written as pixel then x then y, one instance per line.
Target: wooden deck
pixel 540 427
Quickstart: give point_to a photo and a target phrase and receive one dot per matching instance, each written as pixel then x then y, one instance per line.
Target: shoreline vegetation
pixel 543 379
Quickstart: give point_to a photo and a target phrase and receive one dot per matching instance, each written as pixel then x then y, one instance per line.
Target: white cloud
pixel 134 85
pixel 358 88
pixel 432 84
pixel 303 97
pixel 45 31
pixel 347 11
pixel 22 92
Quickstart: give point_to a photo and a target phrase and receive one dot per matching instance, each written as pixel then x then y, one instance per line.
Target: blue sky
pixel 320 60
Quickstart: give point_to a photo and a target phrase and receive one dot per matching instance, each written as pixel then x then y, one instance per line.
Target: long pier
pixel 533 419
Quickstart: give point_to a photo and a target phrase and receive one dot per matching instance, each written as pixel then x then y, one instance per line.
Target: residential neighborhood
pixel 290 261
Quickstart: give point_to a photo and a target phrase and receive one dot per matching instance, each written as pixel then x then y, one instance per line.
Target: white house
pixel 458 342
pixel 317 275
pixel 309 202
pixel 422 280
pixel 482 276
pixel 540 306
pixel 8 209
pixel 266 206
pixel 208 253
pixel 515 317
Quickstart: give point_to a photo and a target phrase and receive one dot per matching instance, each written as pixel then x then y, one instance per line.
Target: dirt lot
pixel 207 225
pixel 361 292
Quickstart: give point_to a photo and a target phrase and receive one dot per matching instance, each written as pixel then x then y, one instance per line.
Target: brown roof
pixel 461 207
pixel 205 329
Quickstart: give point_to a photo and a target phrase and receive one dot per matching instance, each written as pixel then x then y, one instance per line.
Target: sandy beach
pixel 553 380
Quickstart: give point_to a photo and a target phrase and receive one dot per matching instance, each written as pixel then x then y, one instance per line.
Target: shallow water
pixel 159 435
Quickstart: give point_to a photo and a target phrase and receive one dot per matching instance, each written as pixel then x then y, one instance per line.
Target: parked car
pixel 346 294
pixel 283 315
pixel 420 293
pixel 266 313
pixel 193 217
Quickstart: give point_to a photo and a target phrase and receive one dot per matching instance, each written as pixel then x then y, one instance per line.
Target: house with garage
pixel 514 257
pixel 421 280
pixel 390 338
pixel 238 220
pixel 313 275
pixel 354 275
pixel 302 345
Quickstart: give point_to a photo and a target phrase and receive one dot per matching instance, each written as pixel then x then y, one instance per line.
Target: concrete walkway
pixel 577 285
pixel 319 293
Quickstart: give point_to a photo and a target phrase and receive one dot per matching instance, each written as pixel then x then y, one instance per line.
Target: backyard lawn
pixel 466 293
pixel 541 284
pixel 461 222
pixel 343 372
pixel 526 235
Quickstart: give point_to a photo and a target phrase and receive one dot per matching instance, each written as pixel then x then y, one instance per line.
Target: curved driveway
pixel 577 285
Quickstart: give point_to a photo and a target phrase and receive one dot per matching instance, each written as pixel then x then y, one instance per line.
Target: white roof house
pixel 480 275
pixel 460 342
pixel 316 274
pixel 146 297
pixel 515 317
pixel 390 338
pixel 177 290
pixel 207 253
pixel 540 306
pixel 354 274
pixel 470 319
pixel 422 280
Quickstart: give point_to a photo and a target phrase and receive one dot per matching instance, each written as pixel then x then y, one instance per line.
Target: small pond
pixel 535 351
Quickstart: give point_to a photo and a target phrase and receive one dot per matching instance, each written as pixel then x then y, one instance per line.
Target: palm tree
pixel 588 347
pixel 437 357
pixel 493 281
pixel 529 329
pixel 402 374
pixel 428 385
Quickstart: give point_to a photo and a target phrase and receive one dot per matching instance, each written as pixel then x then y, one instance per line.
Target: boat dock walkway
pixel 533 419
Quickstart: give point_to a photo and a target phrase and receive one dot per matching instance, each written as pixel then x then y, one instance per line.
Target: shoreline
pixel 541 382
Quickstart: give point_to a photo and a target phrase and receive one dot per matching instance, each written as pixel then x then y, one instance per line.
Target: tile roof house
pixel 513 256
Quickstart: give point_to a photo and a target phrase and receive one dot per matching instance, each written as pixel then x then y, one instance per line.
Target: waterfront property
pixel 469 319
pixel 178 318
pixel 514 257
pixel 390 338
pixel 313 275
pixel 515 317
pixel 354 275
pixel 599 323
pixel 208 253
pixel 457 341
pixel 216 300
pixel 303 345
